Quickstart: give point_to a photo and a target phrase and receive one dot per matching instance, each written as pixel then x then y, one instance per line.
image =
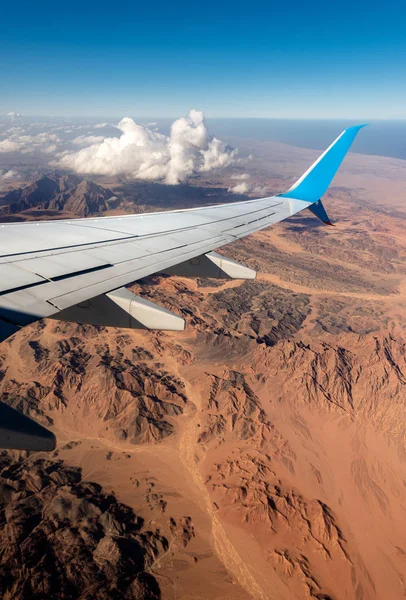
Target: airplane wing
pixel 77 270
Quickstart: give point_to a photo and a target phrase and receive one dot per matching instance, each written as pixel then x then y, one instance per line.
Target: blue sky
pixel 230 59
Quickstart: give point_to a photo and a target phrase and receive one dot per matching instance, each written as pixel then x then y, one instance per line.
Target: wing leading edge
pixel 77 270
pixel 49 267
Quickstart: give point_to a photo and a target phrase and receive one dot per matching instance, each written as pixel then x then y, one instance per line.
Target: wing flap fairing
pixel 19 432
pixel 122 308
pixel 76 270
pixel 128 248
pixel 212 265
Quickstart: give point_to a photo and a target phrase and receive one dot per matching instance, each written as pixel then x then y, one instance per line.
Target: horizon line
pixel 273 118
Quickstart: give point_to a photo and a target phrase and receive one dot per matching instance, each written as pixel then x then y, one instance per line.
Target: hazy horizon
pixel 383 137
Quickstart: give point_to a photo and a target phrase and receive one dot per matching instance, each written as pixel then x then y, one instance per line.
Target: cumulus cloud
pixel 8 145
pixel 241 176
pixel 141 152
pixel 85 140
pixel 245 186
pixel 7 174
pixel 14 117
pixel 17 140
pixel 101 125
pixel 240 188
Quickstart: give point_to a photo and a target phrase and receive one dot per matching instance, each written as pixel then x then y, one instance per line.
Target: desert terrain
pixel 260 454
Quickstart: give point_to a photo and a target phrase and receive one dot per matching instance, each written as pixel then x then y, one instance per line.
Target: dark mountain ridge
pixel 59 192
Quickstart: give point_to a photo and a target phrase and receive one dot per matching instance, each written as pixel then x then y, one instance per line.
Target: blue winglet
pixel 313 184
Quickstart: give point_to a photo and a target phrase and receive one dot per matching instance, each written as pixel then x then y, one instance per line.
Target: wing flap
pixel 51 267
pixel 19 432
pixel 131 271
pixel 125 262
pixel 112 252
pixel 13 277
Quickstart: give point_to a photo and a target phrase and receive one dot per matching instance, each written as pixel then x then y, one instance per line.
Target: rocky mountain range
pixel 69 534
pixel 54 192
pixel 259 454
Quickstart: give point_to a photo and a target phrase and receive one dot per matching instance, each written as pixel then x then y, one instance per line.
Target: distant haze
pixel 172 150
pixel 384 138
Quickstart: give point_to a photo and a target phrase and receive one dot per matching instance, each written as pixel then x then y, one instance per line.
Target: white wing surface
pixel 46 267
pixel 51 268
pixel 77 270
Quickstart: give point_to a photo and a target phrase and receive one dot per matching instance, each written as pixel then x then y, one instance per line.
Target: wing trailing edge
pixel 122 308
pixel 213 266
pixel 182 241
pixel 19 432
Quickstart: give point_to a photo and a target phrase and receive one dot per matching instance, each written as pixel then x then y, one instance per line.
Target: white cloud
pixel 85 140
pixel 9 174
pixel 18 141
pixel 15 130
pixel 15 117
pixel 241 176
pixel 8 145
pixel 81 127
pixel 101 125
pixel 245 186
pixel 143 153
pixel 240 188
